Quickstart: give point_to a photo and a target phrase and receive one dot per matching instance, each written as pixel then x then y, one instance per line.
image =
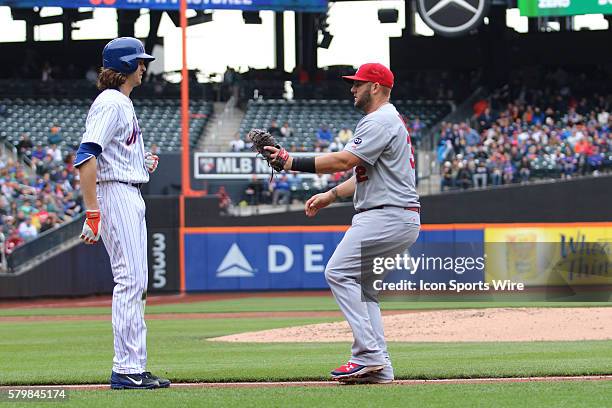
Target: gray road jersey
pixel 387 175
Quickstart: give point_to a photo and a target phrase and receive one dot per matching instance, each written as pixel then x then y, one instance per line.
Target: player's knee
pixel 332 274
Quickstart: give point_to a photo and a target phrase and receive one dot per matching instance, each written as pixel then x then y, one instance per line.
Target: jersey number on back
pixel 409 142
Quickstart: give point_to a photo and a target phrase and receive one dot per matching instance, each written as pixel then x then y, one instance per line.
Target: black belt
pixel 380 207
pixel 137 185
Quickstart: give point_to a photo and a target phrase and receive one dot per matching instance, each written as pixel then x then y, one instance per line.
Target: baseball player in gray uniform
pixel 113 165
pixel 388 213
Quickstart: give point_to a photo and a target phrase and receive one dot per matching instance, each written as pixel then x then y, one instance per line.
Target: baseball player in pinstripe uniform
pixel 113 165
pixel 388 214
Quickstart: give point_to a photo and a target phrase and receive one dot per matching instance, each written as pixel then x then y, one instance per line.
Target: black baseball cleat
pixel 132 382
pixel 163 382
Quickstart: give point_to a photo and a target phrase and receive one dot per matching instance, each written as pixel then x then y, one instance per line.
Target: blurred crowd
pixel 38 192
pixel 283 189
pixel 515 138
pixel 325 140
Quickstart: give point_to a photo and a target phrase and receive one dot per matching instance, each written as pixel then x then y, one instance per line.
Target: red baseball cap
pixel 372 72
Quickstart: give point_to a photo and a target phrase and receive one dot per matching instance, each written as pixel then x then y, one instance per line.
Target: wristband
pixel 304 164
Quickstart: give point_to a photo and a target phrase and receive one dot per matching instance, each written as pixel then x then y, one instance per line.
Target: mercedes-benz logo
pixel 452 18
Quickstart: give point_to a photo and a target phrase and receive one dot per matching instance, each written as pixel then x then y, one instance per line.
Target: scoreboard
pixel 543 8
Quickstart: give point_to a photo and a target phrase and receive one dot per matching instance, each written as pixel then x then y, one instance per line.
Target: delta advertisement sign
pixel 294 258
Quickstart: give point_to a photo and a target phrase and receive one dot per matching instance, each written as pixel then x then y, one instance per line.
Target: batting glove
pixel 91 228
pixel 151 161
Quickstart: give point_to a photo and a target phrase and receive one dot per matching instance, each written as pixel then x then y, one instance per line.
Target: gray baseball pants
pixel 387 232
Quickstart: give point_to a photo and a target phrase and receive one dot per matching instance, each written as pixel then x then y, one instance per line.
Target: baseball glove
pixel 261 139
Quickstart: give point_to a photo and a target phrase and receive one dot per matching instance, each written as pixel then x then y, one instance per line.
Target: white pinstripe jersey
pixel 112 124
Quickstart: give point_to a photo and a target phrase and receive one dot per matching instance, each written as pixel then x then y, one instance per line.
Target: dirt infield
pixel 482 325
pixel 286 384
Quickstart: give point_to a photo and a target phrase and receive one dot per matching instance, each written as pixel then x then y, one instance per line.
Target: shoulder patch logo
pixel 235 265
pixel 357 140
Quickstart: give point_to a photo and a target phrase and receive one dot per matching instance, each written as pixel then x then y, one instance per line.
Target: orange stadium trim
pixel 263 229
pixel 426 227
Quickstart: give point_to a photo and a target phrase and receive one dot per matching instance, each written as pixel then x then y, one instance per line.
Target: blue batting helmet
pixel 122 55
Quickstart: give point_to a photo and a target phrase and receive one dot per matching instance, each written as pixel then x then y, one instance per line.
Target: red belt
pixel 380 207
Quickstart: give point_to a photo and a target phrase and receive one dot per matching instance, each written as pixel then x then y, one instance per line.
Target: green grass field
pixel 553 395
pixel 70 352
pixel 289 304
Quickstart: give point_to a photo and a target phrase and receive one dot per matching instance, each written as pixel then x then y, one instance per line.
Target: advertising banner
pixel 216 166
pixel 296 259
pixel 550 256
pixel 312 6
pixel 543 8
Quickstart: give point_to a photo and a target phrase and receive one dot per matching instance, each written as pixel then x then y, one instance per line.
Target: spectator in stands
pixel 281 191
pixel 447 179
pixel 508 170
pixel 72 205
pixel 496 166
pixel 416 127
pixel 480 174
pixel 485 119
pixel 286 130
pixel 336 145
pixel 464 176
pixel 55 134
pixel 3 110
pixel 39 152
pixel 155 149
pixel 324 138
pixel 320 182
pixel 13 242
pixel 69 162
pixel 40 213
pixel 225 201
pixel 603 117
pixel 595 161
pixel 27 231
pixel 47 72
pixel 48 223
pixel 237 145
pixel 26 208
pixel 524 169
pixel 25 145
pixel 345 134
pixel 55 152
pixel 254 190
pixel 274 130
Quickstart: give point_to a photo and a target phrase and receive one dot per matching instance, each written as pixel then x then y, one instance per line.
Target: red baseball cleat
pixel 352 370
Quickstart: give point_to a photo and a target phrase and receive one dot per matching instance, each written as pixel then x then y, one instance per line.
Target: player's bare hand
pixel 91 227
pixel 285 156
pixel 318 201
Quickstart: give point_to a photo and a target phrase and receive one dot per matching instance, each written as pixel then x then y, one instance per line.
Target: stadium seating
pixel 307 116
pixel 553 136
pixel 159 119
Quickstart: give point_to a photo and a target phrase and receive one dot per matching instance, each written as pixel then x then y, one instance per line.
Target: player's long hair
pixel 109 79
